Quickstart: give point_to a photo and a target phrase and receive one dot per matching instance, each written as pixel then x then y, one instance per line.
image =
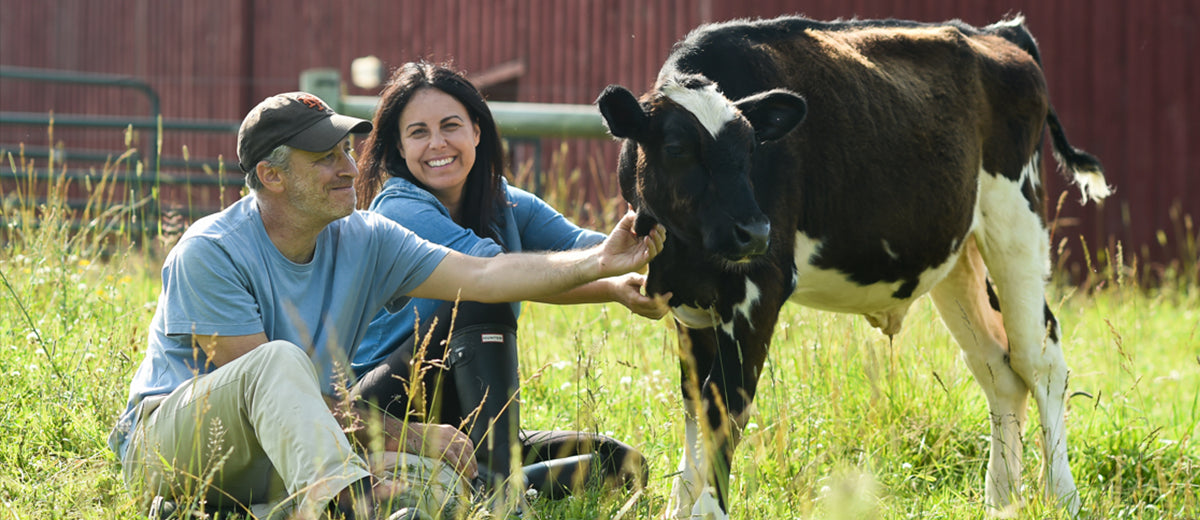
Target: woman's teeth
pixel 441 162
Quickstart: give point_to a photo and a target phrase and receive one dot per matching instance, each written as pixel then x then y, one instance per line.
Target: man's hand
pixel 627 290
pixel 444 442
pixel 439 441
pixel 623 252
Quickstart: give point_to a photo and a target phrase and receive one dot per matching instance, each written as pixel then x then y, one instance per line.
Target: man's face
pixel 321 184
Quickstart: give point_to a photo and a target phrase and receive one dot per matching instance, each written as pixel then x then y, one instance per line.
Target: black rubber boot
pixel 483 360
pixel 558 478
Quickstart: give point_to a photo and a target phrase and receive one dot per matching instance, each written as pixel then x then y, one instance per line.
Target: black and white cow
pixel 917 170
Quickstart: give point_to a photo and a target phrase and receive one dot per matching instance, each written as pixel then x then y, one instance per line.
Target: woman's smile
pixel 438 163
pixel 438 140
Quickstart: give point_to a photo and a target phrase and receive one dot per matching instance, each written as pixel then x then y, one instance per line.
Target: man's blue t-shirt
pixel 526 223
pixel 225 277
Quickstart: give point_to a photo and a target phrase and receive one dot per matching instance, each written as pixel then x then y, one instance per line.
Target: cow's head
pixel 686 159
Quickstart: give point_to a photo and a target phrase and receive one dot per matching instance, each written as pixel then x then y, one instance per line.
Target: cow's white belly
pixel 832 290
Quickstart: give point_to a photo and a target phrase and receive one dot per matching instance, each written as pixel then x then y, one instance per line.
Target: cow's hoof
pixel 707 507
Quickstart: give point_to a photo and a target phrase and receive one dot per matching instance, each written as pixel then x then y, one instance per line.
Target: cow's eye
pixel 675 150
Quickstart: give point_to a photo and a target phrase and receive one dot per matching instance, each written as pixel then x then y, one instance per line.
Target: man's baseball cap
pixel 297 119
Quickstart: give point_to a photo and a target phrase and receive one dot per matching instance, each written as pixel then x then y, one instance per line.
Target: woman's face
pixel 437 141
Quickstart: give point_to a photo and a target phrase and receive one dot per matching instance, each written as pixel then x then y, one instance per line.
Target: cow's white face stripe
pixel 709 106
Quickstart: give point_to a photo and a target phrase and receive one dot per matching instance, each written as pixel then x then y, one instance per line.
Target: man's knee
pixel 275 364
pixel 278 355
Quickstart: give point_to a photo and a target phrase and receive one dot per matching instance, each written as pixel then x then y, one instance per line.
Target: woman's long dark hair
pixel 483 194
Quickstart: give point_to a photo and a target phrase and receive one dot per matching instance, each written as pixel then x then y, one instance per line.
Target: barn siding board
pixel 1116 71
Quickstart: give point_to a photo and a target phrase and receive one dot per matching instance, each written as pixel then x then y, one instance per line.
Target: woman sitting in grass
pixel 434 163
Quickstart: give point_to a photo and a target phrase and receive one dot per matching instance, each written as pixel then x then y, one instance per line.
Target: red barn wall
pixel 1120 73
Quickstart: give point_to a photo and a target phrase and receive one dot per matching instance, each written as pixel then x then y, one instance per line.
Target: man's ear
pixel 270 176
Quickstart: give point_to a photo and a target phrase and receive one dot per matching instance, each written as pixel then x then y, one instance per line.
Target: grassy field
pixel 846 424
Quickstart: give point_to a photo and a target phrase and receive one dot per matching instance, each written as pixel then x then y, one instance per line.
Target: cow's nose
pixel 751 238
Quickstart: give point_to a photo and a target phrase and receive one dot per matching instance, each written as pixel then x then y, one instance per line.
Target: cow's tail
pixel 1084 167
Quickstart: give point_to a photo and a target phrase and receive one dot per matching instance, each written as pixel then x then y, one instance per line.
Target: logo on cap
pixel 312 102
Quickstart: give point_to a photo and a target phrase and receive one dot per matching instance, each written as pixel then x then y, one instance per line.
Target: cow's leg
pixel 962 301
pixel 733 352
pixel 697 348
pixel 1015 246
pixel 732 382
pixel 727 396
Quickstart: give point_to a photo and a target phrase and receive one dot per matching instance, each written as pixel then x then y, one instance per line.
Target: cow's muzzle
pixel 748 240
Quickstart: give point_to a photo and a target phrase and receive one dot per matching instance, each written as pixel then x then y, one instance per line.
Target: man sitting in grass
pixel 234 404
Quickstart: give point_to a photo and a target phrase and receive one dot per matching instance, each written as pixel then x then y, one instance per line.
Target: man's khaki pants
pixel 255 431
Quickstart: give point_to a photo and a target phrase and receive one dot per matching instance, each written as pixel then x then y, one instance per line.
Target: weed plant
pixel 846 424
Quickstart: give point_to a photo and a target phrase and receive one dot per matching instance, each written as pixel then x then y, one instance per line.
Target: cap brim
pixel 327 132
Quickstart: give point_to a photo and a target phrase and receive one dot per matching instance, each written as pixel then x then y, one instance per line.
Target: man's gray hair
pixel 278 158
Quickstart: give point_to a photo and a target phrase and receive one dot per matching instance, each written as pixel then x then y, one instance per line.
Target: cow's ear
pixel 773 113
pixel 644 223
pixel 622 112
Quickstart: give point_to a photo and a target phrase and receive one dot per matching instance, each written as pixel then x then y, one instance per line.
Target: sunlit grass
pixel 846 421
pixel 846 424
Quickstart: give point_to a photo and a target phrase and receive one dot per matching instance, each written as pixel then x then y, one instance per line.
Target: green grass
pixel 846 424
pixel 843 416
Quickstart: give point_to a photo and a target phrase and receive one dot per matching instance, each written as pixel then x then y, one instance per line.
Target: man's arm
pixel 223 349
pixel 625 290
pixel 530 276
